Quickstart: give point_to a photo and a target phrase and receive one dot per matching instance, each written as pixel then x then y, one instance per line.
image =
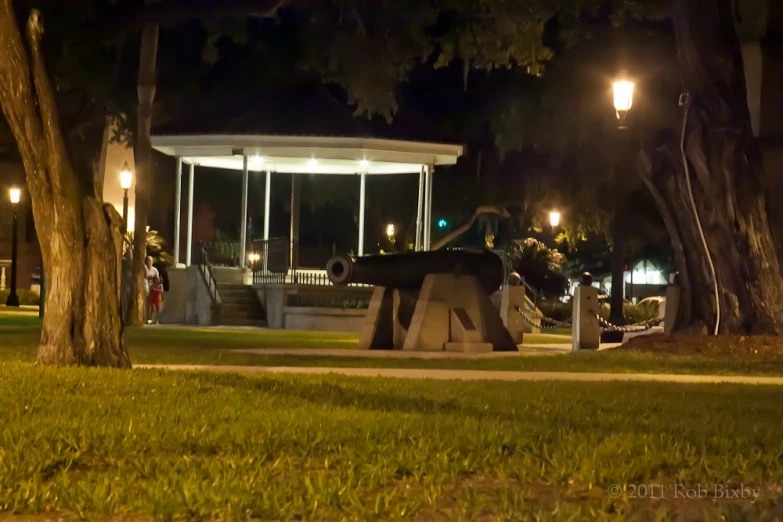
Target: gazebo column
pixel 362 191
pixel 428 208
pixel 177 205
pixel 296 182
pixel 419 209
pixel 267 200
pixel 243 228
pixel 189 233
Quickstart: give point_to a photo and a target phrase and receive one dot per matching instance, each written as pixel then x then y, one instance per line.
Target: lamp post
pixel 554 218
pixel 126 179
pixel 13 300
pixel 623 97
pixel 623 88
pixel 391 231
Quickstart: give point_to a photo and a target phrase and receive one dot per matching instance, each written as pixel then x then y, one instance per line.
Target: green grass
pixel 213 346
pixel 196 445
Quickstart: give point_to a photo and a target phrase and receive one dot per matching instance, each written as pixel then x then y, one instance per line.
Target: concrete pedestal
pixel 512 300
pixel 188 300
pixel 586 330
pixel 450 313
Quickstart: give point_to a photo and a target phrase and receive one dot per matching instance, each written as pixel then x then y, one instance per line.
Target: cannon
pixel 428 301
pixel 407 271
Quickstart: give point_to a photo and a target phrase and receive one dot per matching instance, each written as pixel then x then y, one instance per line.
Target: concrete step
pixel 232 307
pixel 223 290
pixel 236 286
pixel 237 321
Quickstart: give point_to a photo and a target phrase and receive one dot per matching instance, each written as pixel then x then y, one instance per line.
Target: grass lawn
pixel 213 346
pixel 78 442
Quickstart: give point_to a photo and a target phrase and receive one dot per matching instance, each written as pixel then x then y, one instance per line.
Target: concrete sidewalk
pixel 477 375
pixel 525 350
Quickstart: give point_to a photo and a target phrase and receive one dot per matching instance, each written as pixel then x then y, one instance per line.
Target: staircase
pixel 238 306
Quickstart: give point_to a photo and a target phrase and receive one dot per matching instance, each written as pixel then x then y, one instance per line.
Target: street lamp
pixel 623 97
pixel 126 178
pixel 391 230
pixel 554 218
pixel 13 300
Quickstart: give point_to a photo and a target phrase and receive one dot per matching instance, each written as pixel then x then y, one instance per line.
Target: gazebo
pixel 298 130
pixel 315 155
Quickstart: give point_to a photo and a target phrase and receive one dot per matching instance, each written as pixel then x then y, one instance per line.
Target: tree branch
pixel 483 209
pixel 122 19
pixel 47 107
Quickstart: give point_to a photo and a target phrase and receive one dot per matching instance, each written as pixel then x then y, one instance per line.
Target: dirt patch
pixel 723 345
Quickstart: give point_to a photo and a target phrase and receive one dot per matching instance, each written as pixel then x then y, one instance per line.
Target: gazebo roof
pixel 301 129
pixel 308 154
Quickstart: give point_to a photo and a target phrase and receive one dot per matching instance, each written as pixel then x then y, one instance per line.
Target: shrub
pixel 560 311
pixel 554 309
pixel 26 297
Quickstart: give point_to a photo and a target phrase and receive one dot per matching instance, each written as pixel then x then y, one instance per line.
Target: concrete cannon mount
pixel 450 311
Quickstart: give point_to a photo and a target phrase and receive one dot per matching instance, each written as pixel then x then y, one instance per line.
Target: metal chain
pixel 551 323
pixel 637 327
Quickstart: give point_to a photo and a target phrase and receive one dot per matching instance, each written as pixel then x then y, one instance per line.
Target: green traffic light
pixel 442 223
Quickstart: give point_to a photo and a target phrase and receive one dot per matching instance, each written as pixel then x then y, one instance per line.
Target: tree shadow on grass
pixel 541 407
pixel 326 391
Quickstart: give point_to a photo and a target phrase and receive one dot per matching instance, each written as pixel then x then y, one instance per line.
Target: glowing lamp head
pixel 312 162
pixel 623 96
pixel 554 218
pixel 364 164
pixel 126 177
pixel 15 194
pixel 390 230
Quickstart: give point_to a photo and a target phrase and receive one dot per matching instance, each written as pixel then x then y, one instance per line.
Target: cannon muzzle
pixel 407 271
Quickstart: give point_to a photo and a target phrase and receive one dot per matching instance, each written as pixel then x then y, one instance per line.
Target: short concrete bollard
pixel 586 331
pixel 672 305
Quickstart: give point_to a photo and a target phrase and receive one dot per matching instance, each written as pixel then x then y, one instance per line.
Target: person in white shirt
pixel 150 275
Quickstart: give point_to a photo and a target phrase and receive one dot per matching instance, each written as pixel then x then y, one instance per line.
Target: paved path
pixel 478 375
pixel 400 354
pixel 525 350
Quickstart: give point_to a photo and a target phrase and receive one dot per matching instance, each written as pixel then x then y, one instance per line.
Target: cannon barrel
pixel 408 270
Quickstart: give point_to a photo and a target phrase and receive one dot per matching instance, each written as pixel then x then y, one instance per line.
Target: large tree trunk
pixel 725 172
pixel 143 158
pixel 79 235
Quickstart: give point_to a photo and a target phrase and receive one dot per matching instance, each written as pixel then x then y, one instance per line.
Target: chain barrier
pixel 637 327
pixel 551 324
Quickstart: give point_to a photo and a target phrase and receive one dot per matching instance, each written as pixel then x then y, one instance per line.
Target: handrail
pixel 209 279
pixel 223 251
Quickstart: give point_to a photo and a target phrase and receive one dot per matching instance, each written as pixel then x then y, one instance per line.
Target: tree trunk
pixel 644 169
pixel 143 157
pixel 726 177
pixel 79 234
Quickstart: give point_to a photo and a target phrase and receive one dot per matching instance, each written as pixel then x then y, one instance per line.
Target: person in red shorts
pixel 154 299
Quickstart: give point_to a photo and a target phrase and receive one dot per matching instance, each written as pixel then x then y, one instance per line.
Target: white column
pixel 428 209
pixel 362 187
pixel 243 229
pixel 267 200
pixel 419 210
pixel 189 232
pixel 177 204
